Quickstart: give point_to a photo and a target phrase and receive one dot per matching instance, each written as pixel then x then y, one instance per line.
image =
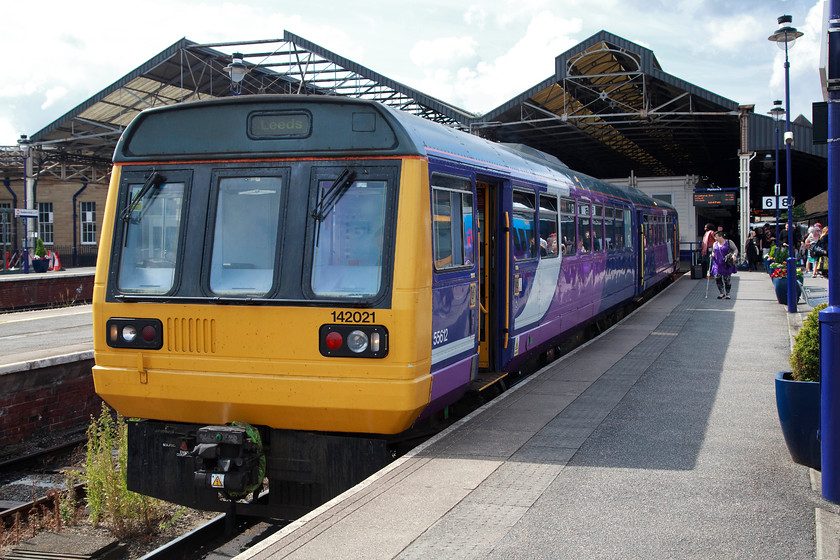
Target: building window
pixel 669 198
pixel 88 223
pixel 45 222
pixel 5 223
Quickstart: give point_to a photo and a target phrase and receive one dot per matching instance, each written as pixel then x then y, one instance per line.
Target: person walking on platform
pixel 753 252
pixel 706 246
pixel 820 252
pixel 724 259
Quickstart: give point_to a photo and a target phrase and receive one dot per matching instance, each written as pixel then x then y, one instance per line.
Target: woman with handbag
pixel 724 259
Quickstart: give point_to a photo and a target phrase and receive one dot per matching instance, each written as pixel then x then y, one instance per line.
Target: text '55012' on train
pixel 285 281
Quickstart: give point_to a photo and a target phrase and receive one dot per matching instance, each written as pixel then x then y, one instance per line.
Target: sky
pixel 473 55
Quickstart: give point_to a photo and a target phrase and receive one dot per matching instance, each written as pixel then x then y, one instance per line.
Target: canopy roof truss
pixel 609 107
pixel 81 142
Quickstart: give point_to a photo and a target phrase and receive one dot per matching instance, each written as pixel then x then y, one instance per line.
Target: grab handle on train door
pixel 507 279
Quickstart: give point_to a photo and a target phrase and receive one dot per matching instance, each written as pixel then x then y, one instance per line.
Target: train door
pixel 485 210
pixel 641 243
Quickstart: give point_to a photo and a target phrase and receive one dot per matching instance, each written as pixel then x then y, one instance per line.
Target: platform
pixel 659 439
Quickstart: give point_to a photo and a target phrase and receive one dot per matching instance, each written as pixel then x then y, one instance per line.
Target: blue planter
pixel 798 404
pixel 40 265
pixel 781 287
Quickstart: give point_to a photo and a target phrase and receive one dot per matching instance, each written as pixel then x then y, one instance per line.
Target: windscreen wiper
pixel 334 194
pixel 154 179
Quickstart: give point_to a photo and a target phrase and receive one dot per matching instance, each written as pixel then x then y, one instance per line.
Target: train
pixel 286 285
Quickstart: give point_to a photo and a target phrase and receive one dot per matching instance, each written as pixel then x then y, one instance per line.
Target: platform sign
pixel 25 213
pixel 715 198
pixel 774 202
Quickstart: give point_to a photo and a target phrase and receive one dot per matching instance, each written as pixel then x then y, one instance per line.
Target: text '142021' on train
pixel 285 283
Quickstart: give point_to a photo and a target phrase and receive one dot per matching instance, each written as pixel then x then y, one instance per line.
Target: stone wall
pixel 46 400
pixel 45 290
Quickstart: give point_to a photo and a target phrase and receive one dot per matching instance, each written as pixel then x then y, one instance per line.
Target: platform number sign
pixel 774 202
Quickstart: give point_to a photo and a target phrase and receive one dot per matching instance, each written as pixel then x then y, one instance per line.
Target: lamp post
pixel 24 145
pixel 830 316
pixel 776 112
pixel 786 34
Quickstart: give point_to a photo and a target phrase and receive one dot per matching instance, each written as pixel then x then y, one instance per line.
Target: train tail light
pixel 353 341
pixel 145 334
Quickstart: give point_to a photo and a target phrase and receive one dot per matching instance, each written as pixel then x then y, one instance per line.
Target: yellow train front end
pixel 261 364
pixel 262 302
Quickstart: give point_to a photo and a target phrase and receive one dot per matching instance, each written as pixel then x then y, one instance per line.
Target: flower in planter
pixel 781 272
pixel 40 250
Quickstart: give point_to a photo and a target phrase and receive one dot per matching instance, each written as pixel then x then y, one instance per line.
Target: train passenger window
pixel 524 230
pixel 548 226
pixel 245 235
pixel 349 240
pixel 152 233
pixel 568 236
pixel 584 229
pixel 619 229
pixel 609 228
pixel 453 222
pixel 628 230
pixel 598 228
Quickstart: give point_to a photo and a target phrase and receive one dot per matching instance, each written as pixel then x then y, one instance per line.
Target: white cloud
pixel 475 16
pixel 53 95
pixel 446 51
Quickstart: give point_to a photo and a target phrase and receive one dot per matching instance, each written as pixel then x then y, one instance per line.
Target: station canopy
pixel 609 110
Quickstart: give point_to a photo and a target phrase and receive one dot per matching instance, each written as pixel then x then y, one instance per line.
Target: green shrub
pixel 124 512
pixel 40 250
pixel 805 358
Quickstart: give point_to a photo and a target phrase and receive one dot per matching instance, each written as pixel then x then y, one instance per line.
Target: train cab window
pixel 349 240
pixel 568 237
pixel 549 248
pixel 245 235
pixel 597 228
pixel 584 213
pixel 152 232
pixel 609 228
pixel 524 231
pixel 453 218
pixel 628 230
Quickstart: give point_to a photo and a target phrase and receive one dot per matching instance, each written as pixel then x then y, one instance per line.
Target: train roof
pixel 261 126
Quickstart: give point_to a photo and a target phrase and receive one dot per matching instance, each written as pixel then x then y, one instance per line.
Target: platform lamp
pixel 236 70
pixel 24 144
pixel 830 316
pixel 776 112
pixel 784 36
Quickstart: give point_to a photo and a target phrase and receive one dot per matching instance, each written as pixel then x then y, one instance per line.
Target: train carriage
pixel 285 282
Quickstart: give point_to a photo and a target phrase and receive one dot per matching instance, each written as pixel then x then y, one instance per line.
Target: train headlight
pixel 129 333
pixel 145 334
pixel 353 341
pixel 357 341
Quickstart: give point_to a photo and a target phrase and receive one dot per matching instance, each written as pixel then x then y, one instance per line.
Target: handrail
pixel 507 278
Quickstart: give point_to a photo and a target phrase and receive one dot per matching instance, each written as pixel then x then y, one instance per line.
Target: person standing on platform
pixel 811 239
pixel 821 253
pixel 706 246
pixel 724 264
pixel 753 253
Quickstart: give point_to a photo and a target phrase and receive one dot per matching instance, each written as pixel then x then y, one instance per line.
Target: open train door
pixel 640 243
pixel 486 210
